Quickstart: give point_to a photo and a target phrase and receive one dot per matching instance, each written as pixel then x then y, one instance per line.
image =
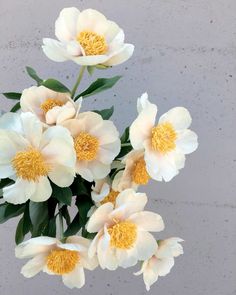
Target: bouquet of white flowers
pixel 54 156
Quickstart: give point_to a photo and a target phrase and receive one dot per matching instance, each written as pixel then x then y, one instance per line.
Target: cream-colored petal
pixel 62 176
pixel 43 190
pixel 99 218
pixel 90 60
pixel 97 169
pixel 179 117
pixel 170 248
pixel 165 265
pixel 106 131
pixel 66 24
pixel 150 274
pixel 146 245
pixel 108 152
pixel 34 266
pixel 35 246
pixel 127 258
pixel 140 129
pixel 121 56
pixel 55 50
pixel 99 196
pixel 11 121
pixel 187 141
pixel 74 279
pixel 92 20
pixel 19 192
pixel 93 246
pixel 147 221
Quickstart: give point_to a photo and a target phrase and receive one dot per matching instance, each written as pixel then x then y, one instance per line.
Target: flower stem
pixel 81 73
pixel 126 144
pixel 61 226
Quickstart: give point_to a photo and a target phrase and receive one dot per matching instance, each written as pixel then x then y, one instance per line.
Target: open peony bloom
pixel 96 142
pixel 88 39
pixel 122 229
pixel 161 262
pixel 30 156
pixel 55 258
pixel 164 144
pixel 135 172
pixel 49 106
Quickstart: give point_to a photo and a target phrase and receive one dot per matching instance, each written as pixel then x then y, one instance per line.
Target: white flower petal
pixel 43 190
pixel 147 221
pixel 121 56
pixel 146 245
pixel 61 175
pixel 127 258
pixel 55 50
pixel 34 266
pixel 106 255
pixel 179 117
pixel 187 141
pixel 108 152
pixel 165 265
pixel 19 192
pixel 11 121
pixel 99 218
pixel 74 279
pixel 92 20
pixel 90 60
pixel 150 275
pixel 65 26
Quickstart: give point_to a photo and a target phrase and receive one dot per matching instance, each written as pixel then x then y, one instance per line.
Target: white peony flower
pixel 164 144
pixel 88 39
pixel 161 263
pixel 96 143
pixel 49 106
pixel 123 235
pixel 55 258
pixel 30 156
pixel 135 172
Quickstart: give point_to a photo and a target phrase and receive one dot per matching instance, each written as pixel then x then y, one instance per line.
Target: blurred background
pixel 185 55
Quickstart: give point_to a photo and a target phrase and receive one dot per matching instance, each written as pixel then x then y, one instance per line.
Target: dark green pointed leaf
pixel 65 213
pixel 5 182
pixel 8 211
pixel 74 227
pixel 106 113
pixel 27 225
pixel 55 86
pixel 32 73
pixel 12 95
pixel 15 108
pixel 90 70
pixel 19 236
pixel 124 151
pixel 99 85
pixel 51 228
pixel 83 204
pixel 39 217
pixel 62 194
pixel 125 136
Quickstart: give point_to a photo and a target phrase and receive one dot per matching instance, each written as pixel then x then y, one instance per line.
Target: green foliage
pixel 32 73
pixel 8 211
pixel 39 217
pixel 106 113
pixel 12 95
pixel 99 85
pixel 62 194
pixel 55 85
pixel 15 108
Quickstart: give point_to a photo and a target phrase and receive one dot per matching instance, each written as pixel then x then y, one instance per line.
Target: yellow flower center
pixel 92 43
pixel 111 197
pixel 50 103
pixel 62 261
pixel 139 173
pixel 123 235
pixel 30 165
pixel 163 138
pixel 86 146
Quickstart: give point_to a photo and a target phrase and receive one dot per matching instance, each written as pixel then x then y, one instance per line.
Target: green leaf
pixel 74 227
pixel 91 70
pixel 62 194
pixel 55 85
pixel 32 73
pixel 65 213
pixel 124 151
pixel 12 95
pixel 19 235
pixel 5 182
pixel 78 187
pixel 39 217
pixel 15 108
pixel 8 211
pixel 106 113
pixel 102 67
pixel 125 136
pixel 83 204
pixel 99 85
pixel 27 225
pixel 51 228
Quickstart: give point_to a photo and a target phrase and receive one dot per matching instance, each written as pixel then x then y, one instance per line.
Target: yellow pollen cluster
pixel 111 197
pixel 139 173
pixel 86 146
pixel 30 165
pixel 50 103
pixel 62 261
pixel 163 138
pixel 92 43
pixel 123 235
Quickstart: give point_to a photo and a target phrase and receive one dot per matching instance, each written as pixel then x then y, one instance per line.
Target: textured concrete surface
pixel 185 55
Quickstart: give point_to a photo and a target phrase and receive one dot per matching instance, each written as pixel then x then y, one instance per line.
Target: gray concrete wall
pixel 185 55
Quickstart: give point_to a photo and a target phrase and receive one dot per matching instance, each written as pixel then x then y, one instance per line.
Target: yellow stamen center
pixel 86 146
pixel 50 103
pixel 92 43
pixel 123 235
pixel 111 197
pixel 30 165
pixel 139 173
pixel 62 261
pixel 163 137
